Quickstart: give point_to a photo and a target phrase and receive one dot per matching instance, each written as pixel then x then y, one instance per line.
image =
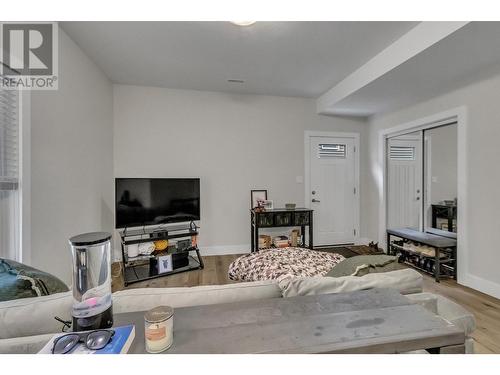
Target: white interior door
pixel 404 194
pixel 332 193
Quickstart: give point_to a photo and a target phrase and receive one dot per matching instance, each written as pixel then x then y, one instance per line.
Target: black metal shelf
pixel 130 260
pixel 430 272
pixel 154 237
pixel 143 272
pixel 436 264
pixel 281 218
pixel 423 255
pixel 142 267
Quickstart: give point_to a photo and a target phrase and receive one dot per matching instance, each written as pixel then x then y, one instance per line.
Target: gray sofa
pixel 27 324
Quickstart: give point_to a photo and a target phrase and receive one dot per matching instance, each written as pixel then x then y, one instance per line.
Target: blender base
pixel 99 321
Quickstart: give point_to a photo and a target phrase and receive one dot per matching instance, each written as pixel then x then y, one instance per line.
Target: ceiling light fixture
pixel 243 23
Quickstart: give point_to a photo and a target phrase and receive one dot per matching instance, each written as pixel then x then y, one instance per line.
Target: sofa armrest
pixel 456 314
pixel 427 300
pixel 447 309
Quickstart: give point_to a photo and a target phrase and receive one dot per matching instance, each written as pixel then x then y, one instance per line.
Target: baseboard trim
pixel 225 250
pixel 482 285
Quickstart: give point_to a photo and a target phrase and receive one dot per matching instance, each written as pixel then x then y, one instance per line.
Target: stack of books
pixel 281 241
pixel 120 343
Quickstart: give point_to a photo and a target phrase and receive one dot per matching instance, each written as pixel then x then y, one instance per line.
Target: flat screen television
pixel 153 201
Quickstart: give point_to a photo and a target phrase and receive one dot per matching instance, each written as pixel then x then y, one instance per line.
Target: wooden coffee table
pixel 370 321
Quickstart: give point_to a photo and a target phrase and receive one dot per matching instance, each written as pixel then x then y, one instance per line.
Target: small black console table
pixel 448 212
pixel 281 217
pixel 444 261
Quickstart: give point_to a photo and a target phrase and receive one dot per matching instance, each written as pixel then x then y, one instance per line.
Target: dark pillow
pixel 20 281
pixel 364 264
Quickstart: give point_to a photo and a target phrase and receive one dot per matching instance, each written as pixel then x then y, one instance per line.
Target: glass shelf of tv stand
pixel 144 259
pixel 143 272
pixel 140 235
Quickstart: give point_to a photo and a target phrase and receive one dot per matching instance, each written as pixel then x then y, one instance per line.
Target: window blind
pixel 402 153
pixel 9 140
pixel 328 150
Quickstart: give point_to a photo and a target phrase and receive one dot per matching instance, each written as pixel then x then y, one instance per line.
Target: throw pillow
pixel 20 281
pixel 405 281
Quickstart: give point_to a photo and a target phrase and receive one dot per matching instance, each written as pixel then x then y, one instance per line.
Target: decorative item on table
pixel 294 237
pixel 268 204
pixel 290 206
pixel 183 245
pixel 257 196
pixel 92 304
pixel 104 341
pixel 161 245
pixel 448 202
pixel 159 329
pixel 133 250
pixel 165 263
pixel 265 241
pixel 281 241
pixel 146 248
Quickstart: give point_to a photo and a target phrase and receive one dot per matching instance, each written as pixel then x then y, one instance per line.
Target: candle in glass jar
pixel 159 329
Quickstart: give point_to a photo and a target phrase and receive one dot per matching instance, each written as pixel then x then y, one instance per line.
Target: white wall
pixel 482 174
pixel 234 143
pixel 71 159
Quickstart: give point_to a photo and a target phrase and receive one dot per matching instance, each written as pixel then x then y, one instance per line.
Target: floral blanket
pixel 278 264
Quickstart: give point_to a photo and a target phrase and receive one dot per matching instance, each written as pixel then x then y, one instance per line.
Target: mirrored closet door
pixel 440 204
pixel 421 179
pixel 404 181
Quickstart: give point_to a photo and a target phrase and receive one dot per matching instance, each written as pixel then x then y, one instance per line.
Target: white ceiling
pixel 470 54
pixel 274 58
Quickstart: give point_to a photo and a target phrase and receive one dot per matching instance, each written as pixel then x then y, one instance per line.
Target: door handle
pixel 315 201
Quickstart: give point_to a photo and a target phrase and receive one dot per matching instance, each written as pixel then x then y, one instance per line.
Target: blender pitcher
pixel 92 305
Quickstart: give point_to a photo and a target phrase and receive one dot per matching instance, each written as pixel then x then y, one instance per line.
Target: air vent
pixel 331 150
pixel 402 153
pixel 236 81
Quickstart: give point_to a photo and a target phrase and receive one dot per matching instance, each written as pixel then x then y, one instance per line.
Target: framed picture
pixel 165 263
pixel 268 204
pixel 257 196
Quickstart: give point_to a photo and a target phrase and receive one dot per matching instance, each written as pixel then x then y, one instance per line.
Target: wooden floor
pixel 214 273
pixel 486 309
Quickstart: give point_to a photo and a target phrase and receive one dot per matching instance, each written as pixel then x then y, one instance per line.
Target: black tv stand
pixel 144 267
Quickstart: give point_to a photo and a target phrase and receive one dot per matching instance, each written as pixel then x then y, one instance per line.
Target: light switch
pixel 299 179
pixel 434 179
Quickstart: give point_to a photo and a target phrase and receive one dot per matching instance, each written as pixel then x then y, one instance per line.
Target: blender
pixel 92 304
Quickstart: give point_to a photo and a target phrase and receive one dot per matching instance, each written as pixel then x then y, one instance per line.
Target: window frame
pixel 23 253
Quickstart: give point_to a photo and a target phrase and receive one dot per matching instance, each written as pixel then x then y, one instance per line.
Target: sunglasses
pixel 93 340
